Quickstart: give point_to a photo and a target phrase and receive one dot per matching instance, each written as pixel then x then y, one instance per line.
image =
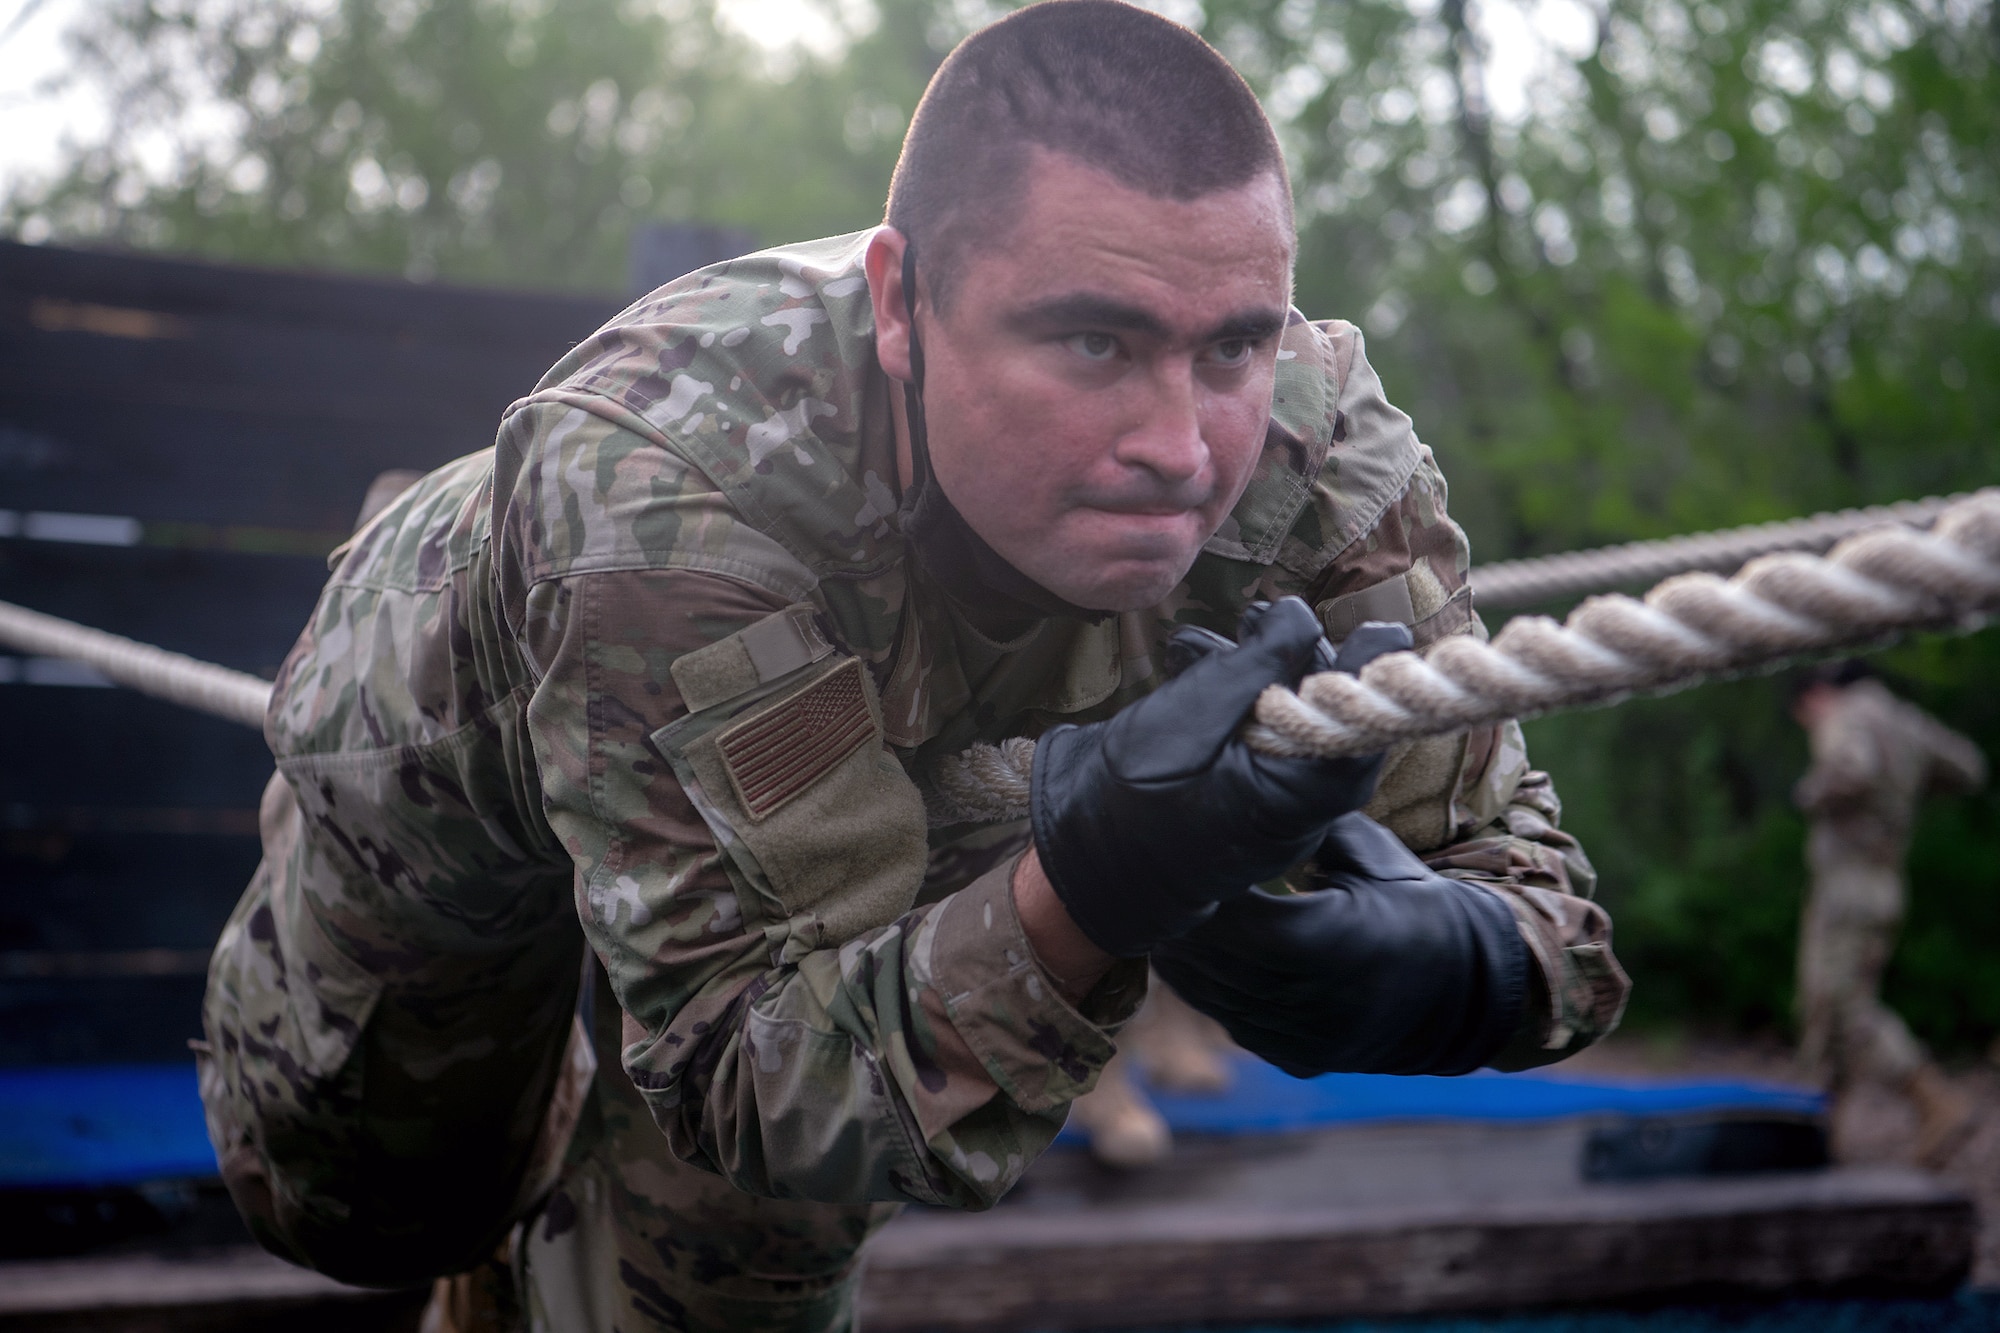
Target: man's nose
pixel 1168 440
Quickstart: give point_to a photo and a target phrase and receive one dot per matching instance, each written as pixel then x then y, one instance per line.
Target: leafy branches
pixel 1635 267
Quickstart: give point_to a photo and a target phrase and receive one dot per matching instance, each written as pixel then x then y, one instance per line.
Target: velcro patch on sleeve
pixel 759 653
pixel 1388 600
pixel 778 752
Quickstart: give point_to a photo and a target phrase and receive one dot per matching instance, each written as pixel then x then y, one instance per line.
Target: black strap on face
pixel 994 594
pixel 916 384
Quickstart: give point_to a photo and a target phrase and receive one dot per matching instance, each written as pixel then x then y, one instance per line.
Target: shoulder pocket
pixel 1417 597
pixel 795 783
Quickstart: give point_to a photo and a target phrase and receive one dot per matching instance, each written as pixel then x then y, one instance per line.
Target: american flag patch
pixel 774 755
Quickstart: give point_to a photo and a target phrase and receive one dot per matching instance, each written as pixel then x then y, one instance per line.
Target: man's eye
pixel 1092 346
pixel 1233 351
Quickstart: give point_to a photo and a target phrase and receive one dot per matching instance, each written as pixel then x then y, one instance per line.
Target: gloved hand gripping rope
pixel 1871 587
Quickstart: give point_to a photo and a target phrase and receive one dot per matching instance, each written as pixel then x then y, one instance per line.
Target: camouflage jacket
pixel 664 638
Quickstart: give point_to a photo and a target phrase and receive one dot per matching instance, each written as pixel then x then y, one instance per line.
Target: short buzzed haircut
pixel 1136 96
pixel 1838 674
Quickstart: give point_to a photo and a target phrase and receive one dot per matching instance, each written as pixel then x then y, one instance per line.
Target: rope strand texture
pixel 1511 583
pixel 1879 583
pixel 1872 586
pixel 235 695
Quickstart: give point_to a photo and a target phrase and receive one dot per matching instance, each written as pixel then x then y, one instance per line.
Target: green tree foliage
pixel 1737 261
pixel 1731 260
pixel 509 141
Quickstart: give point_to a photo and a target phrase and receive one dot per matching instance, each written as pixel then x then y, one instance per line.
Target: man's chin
pixel 1124 586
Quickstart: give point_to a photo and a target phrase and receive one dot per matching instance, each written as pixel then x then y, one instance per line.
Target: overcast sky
pixel 34 120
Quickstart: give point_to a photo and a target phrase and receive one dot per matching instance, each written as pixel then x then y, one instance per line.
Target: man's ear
pixel 884 264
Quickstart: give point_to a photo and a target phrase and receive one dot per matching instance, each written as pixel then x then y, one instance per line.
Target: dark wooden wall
pixel 221 425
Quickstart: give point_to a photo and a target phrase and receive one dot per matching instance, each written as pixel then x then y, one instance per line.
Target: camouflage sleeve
pixel 1470 805
pixel 1956 763
pixel 747 858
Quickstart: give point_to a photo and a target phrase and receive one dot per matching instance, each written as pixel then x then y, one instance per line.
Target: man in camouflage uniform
pixel 1874 758
pixel 664 673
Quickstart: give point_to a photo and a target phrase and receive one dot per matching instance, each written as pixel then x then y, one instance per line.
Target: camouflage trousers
pixel 392 1118
pixel 1846 1033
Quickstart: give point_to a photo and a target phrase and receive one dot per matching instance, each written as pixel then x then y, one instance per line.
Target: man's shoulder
pixel 1902 721
pixel 1871 704
pixel 1338 454
pixel 778 314
pixel 759 375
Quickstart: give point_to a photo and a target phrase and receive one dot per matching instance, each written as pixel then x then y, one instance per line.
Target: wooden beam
pixel 1876 1229
pixel 1322 1226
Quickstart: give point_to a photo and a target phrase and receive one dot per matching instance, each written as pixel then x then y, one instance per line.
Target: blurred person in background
pixel 1874 757
pixel 1175 1048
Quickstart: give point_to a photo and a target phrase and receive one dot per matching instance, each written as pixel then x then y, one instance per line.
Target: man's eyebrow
pixel 1249 326
pixel 1083 310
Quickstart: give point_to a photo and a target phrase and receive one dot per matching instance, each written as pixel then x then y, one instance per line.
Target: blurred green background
pixel 1665 267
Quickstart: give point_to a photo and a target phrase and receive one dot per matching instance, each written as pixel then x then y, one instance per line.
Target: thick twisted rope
pixel 1510 583
pixel 235 695
pixel 1872 586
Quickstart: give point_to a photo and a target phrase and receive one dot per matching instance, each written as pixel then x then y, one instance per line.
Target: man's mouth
pixel 1146 511
pixel 1147 534
pixel 1150 506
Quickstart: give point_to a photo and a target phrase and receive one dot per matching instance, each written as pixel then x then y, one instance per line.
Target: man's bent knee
pixel 366 1129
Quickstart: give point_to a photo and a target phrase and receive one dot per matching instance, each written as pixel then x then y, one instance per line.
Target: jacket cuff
pixel 1577 990
pixel 1039 1049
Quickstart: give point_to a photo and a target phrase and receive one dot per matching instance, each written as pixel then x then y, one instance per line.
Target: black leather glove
pixel 1385 967
pixel 1144 822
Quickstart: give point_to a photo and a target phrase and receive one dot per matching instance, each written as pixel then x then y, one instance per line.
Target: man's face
pixel 1098 389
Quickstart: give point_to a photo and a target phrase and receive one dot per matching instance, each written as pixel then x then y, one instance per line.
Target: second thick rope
pixel 1543 578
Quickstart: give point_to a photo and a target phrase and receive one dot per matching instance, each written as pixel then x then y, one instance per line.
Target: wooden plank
pixel 237 1290
pixel 1333 1224
pixel 100 1020
pixel 197 464
pixel 113 747
pixel 371 1312
pixel 197 392
pixel 1879 1231
pixel 31 964
pixel 363 304
pixel 149 822
pixel 219 417
pixel 1193 1263
pixel 120 890
pixel 114 883
pixel 277 371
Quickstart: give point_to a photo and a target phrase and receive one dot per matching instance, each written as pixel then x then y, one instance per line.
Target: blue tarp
pixel 101 1125
pixel 1264 1100
pixel 122 1124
